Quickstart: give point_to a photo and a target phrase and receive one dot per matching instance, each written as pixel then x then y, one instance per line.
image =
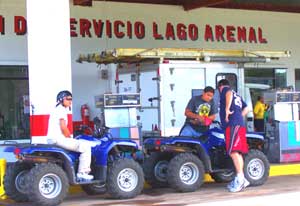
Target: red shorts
pixel 235 137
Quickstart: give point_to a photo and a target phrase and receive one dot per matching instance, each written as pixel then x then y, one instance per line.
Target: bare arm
pixel 212 117
pixel 64 128
pixel 189 114
pixel 245 111
pixel 197 118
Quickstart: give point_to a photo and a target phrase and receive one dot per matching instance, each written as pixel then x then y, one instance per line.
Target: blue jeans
pixel 187 130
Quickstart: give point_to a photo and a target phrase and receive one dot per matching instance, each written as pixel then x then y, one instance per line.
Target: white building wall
pixel 13 48
pixel 280 29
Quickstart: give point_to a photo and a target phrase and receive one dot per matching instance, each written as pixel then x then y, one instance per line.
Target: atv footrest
pixel 221 170
pixel 89 182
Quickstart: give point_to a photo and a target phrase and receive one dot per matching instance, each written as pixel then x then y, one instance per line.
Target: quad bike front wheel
pixel 47 184
pixel 256 167
pixel 185 172
pixel 14 181
pixel 125 179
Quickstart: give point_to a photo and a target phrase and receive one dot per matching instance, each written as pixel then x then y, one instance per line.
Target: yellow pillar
pixel 2 172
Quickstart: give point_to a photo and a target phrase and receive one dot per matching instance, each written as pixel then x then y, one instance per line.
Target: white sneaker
pixel 239 185
pixel 231 184
pixel 246 183
pixel 84 176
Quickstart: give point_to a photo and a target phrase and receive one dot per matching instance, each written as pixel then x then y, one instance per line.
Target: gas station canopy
pixel 260 5
pixel 136 55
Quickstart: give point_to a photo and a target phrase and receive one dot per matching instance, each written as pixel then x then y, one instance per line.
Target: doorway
pixel 297 79
pixel 14 103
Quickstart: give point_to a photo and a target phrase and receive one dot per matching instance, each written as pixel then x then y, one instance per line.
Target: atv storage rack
pixel 135 55
pixel 166 78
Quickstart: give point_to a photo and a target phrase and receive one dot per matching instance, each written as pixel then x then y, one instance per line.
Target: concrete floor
pixel 278 190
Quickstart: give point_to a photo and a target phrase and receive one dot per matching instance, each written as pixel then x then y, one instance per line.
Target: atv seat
pixel 49 148
pixel 203 138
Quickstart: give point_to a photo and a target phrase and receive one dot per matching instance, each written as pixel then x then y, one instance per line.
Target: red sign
pixel 234 34
pixel 20 25
pixel 122 29
pixel 2 25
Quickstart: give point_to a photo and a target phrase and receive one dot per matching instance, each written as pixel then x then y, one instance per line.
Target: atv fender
pixel 64 157
pixel 127 145
pixel 255 140
pixel 205 158
pixel 195 147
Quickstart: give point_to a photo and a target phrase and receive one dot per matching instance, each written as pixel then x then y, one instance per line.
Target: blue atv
pixel 42 173
pixel 181 162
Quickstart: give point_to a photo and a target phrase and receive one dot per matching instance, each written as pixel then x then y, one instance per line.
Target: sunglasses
pixel 69 99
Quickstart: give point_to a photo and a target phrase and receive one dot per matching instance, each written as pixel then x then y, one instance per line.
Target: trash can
pixel 2 173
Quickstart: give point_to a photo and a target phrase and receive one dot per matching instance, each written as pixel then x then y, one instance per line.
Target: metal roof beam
pixel 228 4
pixel 166 2
pixel 83 2
pixel 193 4
pixel 259 6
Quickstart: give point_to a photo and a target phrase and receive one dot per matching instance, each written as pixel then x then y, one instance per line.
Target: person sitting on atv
pixel 60 135
pixel 200 112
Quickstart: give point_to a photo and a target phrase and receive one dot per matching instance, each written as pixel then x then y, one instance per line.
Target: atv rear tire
pixel 47 184
pixel 221 177
pixel 125 179
pixel 256 167
pixel 94 189
pixel 155 169
pixel 185 172
pixel 14 181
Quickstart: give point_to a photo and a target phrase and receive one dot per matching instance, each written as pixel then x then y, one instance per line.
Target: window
pixel 297 79
pixel 280 78
pixel 14 103
pixel 275 78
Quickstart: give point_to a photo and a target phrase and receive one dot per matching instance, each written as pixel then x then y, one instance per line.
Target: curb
pixel 2 172
pixel 275 170
pixel 285 169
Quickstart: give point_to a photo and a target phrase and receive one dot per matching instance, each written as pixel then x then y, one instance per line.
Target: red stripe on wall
pixel 70 123
pixel 39 124
pixel 290 157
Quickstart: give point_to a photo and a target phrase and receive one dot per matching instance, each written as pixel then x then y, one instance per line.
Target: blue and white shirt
pixel 237 106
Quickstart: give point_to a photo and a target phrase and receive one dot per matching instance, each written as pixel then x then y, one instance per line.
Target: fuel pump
pixel 283 126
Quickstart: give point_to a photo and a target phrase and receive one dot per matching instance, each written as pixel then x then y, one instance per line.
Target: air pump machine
pixel 283 126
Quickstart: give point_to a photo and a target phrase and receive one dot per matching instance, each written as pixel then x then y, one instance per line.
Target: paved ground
pixel 278 191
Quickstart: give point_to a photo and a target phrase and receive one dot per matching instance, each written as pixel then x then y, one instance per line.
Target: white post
pixel 49 59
